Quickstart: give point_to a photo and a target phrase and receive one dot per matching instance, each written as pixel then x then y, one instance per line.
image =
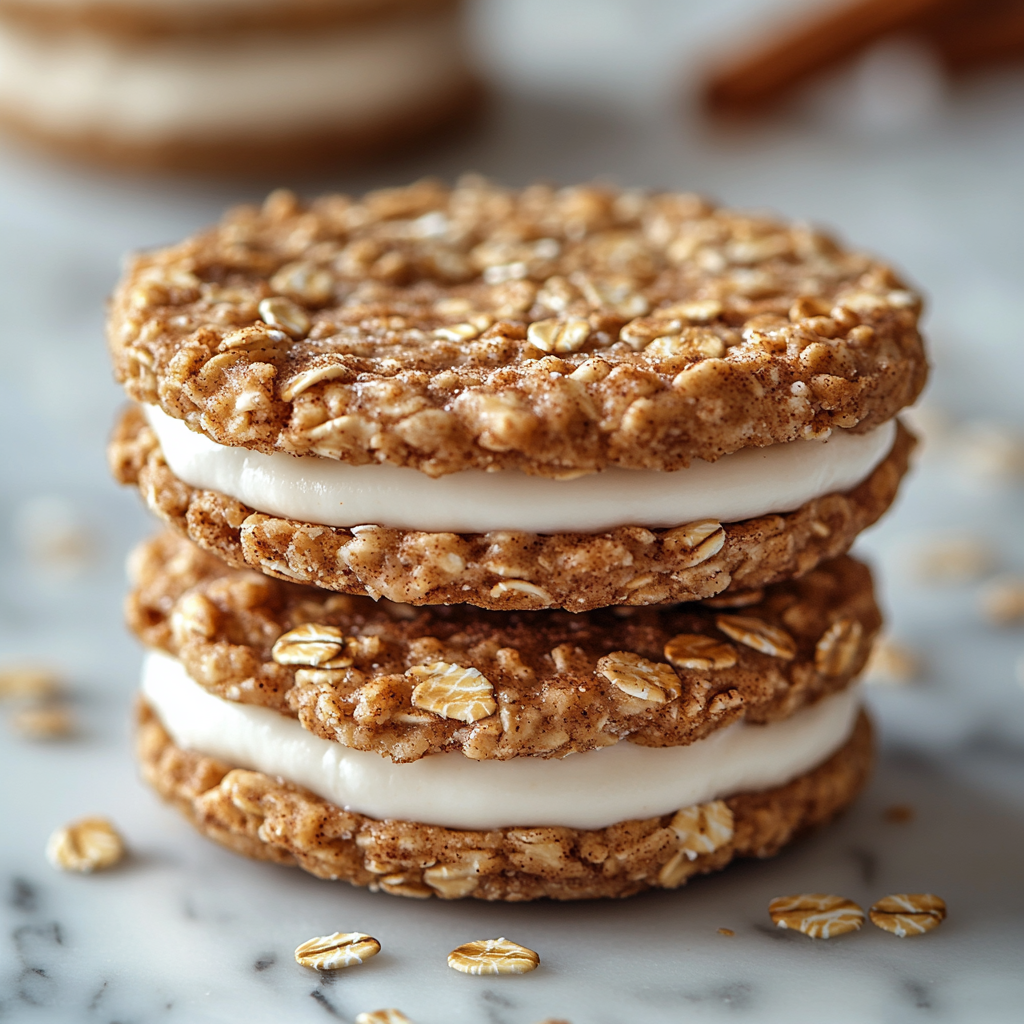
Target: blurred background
pixel 888 142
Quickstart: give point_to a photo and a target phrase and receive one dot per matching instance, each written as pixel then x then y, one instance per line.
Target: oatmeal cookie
pixel 546 684
pixel 553 331
pixel 252 89
pixel 504 570
pixel 273 820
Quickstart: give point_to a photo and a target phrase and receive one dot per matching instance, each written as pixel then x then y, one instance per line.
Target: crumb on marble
pixel 85 846
pixel 386 1016
pixel 341 949
pixel 898 814
pixel 493 956
pixel 50 721
pixel 36 682
pixel 907 914
pixel 891 663
pixel 955 558
pixel 817 915
pixel 1002 601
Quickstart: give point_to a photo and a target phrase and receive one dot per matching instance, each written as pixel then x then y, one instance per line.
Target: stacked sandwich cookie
pixel 231 86
pixel 461 482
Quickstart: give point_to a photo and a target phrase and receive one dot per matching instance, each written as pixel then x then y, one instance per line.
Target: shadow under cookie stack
pixel 461 482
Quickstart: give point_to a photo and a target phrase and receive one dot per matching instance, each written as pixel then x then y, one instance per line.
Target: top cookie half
pixel 552 331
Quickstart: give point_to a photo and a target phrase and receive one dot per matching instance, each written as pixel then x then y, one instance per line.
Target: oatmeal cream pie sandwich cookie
pixel 252 87
pixel 422 751
pixel 547 398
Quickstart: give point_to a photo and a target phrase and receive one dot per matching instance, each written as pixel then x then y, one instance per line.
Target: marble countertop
pixel 185 931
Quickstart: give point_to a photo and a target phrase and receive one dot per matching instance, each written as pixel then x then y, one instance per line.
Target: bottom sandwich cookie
pixel 262 815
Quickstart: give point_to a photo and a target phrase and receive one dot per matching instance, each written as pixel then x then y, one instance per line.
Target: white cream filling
pixel 591 790
pixel 269 84
pixel 750 482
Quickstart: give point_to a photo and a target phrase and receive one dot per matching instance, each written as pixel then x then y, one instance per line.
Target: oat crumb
pixel 48 722
pixel 36 682
pixel 387 1016
pixel 1002 601
pixel 954 559
pixel 891 664
pixel 87 845
pixel 898 814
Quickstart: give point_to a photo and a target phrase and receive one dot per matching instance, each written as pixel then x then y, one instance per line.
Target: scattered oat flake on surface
pixel 954 559
pixel 818 915
pixel 331 952
pixel 898 814
pixel 44 723
pixel 906 914
pixel 32 681
pixel 891 664
pixel 1002 601
pixel 493 956
pixel 728 932
pixel 390 1016
pixel 91 844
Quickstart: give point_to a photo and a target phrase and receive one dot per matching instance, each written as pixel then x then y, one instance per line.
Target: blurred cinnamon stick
pixel 761 76
pixel 987 38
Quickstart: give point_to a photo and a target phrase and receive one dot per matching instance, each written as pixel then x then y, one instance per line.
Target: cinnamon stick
pixel 764 74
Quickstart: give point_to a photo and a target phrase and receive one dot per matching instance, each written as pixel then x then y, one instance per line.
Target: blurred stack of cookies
pixel 461 482
pixel 253 87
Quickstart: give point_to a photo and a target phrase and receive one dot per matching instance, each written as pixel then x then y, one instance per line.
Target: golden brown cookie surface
pixel 552 331
pixel 504 570
pixel 272 820
pixel 509 683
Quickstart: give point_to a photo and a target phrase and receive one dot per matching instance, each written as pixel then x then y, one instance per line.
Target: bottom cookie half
pixel 267 819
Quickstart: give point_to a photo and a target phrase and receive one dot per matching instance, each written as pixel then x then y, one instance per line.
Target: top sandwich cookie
pixel 554 332
pixel 517 400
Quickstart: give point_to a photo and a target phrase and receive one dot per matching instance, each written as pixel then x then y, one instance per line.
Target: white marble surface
pixel 187 932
